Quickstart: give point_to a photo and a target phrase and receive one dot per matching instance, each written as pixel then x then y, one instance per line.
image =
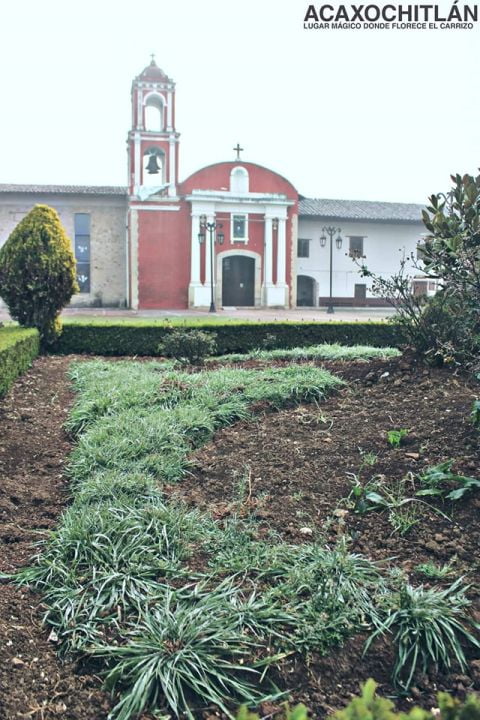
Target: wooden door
pixel 238 281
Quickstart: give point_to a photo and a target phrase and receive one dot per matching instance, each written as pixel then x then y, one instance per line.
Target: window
pixel 356 246
pixel 303 248
pixel 82 250
pixel 239 180
pixel 239 227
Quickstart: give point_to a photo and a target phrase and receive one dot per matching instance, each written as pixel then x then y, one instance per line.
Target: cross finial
pixel 238 150
pixel 153 59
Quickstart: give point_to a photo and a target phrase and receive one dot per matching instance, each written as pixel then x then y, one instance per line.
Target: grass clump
pixel 186 646
pixel 324 351
pixel 430 625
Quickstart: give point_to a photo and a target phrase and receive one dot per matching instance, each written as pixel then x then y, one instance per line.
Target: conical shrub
pixel 37 272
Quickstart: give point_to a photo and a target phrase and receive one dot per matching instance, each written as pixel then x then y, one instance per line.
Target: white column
pixel 169 110
pixel 171 169
pixel 281 250
pixel 210 219
pixel 195 254
pixel 140 110
pixel 268 253
pixel 134 258
pixel 138 161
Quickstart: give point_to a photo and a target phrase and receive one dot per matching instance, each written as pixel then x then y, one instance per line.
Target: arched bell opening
pixel 154 114
pixel 153 171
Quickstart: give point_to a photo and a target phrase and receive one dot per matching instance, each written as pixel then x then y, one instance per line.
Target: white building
pixel 377 234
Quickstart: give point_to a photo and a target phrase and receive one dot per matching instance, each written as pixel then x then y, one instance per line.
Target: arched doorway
pixel 305 291
pixel 238 280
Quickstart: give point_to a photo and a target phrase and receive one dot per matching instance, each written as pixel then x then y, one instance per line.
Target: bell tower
pixel 153 141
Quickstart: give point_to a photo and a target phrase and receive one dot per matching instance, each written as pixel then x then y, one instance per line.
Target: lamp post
pixel 331 231
pixel 215 237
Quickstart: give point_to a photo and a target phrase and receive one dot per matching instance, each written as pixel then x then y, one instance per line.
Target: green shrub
pixel 370 706
pixel 137 337
pixel 18 348
pixel 37 272
pixel 188 346
pixel 299 712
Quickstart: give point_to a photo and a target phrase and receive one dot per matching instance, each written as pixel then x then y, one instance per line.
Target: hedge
pixel 141 338
pixel 18 348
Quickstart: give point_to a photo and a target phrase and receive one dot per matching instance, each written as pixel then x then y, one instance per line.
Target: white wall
pixel 383 246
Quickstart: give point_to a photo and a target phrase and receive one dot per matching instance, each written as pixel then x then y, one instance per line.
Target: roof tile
pixel 360 210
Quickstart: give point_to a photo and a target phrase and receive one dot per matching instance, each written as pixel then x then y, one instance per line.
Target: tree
pixel 37 272
pixel 446 327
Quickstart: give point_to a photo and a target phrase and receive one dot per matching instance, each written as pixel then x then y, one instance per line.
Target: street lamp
pixel 331 231
pixel 215 237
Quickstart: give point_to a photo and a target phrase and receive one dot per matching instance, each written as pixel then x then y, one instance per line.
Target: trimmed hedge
pixel 140 338
pixel 18 348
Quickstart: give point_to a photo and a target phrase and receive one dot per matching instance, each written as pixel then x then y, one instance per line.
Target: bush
pixel 370 706
pixel 37 272
pixel 188 346
pixel 445 328
pixel 100 337
pixel 18 347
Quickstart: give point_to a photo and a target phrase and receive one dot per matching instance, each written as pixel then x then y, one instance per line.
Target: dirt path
pixel 34 683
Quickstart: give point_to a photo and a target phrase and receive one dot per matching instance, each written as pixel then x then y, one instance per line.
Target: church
pixel 232 234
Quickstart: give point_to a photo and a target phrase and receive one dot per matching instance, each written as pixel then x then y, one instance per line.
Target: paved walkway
pixel 312 314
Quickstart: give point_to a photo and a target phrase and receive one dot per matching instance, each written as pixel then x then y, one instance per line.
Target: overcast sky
pixel 342 114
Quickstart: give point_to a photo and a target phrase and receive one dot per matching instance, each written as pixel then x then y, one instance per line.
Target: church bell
pixel 153 167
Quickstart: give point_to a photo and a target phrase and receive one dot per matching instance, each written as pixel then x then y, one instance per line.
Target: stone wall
pixel 108 238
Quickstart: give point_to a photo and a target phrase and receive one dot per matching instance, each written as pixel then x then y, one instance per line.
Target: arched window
pixel 239 180
pixel 153 173
pixel 154 113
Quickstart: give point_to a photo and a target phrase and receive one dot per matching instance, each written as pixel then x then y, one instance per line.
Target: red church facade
pixel 233 234
pixel 230 227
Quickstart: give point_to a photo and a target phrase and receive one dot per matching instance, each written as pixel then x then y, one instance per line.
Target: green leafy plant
pixel 440 481
pixel 366 495
pixel 437 572
pixel 430 625
pixel 396 437
pixel 37 272
pixel 377 494
pixel 299 712
pixel 370 706
pixel 188 346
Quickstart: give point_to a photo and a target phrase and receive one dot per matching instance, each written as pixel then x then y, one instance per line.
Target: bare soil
pixel 294 464
pixel 34 683
pixel 293 470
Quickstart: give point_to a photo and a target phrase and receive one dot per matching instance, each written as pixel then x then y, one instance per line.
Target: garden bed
pixel 287 472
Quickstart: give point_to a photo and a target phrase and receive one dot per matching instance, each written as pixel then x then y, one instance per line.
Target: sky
pixel 365 114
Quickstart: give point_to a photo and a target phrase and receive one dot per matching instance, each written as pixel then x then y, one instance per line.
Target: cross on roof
pixel 153 57
pixel 238 150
